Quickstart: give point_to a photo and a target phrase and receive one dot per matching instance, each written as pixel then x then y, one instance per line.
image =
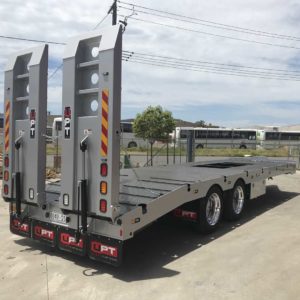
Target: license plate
pixel 58 217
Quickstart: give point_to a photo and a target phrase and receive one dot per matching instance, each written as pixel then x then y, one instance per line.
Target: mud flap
pixel 44 232
pixel 105 249
pixel 20 228
pixel 67 241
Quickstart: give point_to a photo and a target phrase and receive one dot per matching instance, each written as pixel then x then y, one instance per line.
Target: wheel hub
pixel 238 199
pixel 213 209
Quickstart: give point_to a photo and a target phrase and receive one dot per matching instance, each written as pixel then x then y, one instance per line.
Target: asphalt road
pixel 255 258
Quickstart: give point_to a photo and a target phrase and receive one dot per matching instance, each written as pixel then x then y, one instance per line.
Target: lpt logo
pixel 67 122
pixel 20 226
pixel 41 232
pixel 32 124
pixel 101 249
pixel 68 240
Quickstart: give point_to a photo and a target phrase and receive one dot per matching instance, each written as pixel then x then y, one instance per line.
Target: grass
pixel 227 152
pixel 51 149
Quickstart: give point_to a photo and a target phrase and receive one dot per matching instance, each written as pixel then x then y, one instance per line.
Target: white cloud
pixel 175 89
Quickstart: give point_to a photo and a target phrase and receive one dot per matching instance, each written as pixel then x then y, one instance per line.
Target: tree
pixel 153 124
pixel 200 123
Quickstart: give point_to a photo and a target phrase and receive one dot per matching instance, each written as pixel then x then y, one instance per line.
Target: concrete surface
pixel 256 258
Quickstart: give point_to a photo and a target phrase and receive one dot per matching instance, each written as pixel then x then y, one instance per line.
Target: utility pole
pixel 113 9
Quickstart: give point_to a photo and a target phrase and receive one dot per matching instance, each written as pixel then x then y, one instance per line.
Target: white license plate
pixel 58 217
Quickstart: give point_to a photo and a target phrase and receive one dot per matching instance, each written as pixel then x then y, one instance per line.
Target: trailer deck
pixel 171 186
pixel 144 185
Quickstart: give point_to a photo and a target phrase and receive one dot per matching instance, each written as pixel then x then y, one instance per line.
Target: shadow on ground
pixel 163 242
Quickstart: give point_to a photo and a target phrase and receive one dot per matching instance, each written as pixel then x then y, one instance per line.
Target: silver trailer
pixel 97 207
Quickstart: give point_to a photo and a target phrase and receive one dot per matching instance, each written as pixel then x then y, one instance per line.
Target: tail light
pixel 31 193
pixel 6 162
pixel 103 206
pixel 103 187
pixel 103 169
pixel 6 175
pixel 5 189
pixel 66 199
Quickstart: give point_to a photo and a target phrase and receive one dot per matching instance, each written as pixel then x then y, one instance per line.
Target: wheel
pixel 210 211
pixel 234 203
pixel 132 145
pixel 243 147
pixel 199 146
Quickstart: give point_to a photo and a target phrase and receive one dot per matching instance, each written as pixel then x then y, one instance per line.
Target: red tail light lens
pixel 103 206
pixel 6 162
pixel 5 189
pixel 103 169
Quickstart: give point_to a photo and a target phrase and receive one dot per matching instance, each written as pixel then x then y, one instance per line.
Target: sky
pixel 223 100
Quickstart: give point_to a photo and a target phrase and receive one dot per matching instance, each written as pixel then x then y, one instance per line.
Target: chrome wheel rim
pixel 238 199
pixel 213 209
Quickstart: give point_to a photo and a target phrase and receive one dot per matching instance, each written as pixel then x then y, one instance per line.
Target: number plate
pixel 58 217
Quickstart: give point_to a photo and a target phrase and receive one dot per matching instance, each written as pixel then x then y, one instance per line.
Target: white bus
pixel 217 137
pixel 269 139
pixel 128 139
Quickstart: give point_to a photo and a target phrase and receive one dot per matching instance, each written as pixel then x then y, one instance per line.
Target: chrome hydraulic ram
pixel 18 176
pixel 83 192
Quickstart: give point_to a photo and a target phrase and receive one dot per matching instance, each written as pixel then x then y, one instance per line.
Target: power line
pixel 55 71
pixel 203 64
pixel 214 70
pixel 209 23
pixel 130 54
pixel 158 56
pixel 30 40
pixel 213 34
pixel 100 22
pixel 186 64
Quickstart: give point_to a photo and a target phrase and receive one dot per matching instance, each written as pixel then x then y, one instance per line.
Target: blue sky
pixel 219 99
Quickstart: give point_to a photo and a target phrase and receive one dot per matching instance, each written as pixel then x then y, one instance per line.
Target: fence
pixel 172 152
pixel 175 152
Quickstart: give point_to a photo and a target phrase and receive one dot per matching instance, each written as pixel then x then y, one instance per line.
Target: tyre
pixel 199 146
pixel 132 145
pixel 235 202
pixel 210 211
pixel 243 147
